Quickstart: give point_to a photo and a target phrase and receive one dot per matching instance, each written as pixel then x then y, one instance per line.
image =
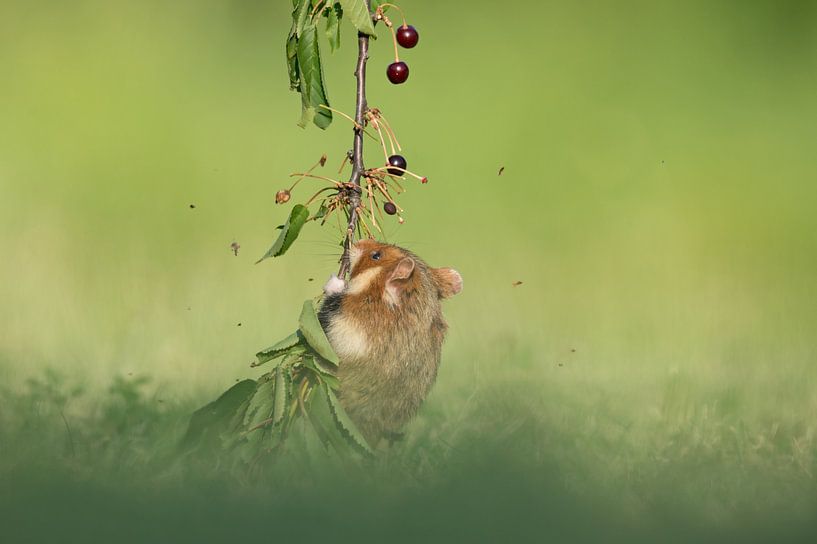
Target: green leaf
pixel 307 113
pixel 358 13
pixel 313 444
pixel 333 17
pixel 273 352
pixel 311 328
pixel 289 233
pixel 304 64
pixel 313 92
pixel 211 420
pixel 300 16
pixel 320 415
pixel 261 405
pixel 320 214
pixel 290 355
pixel 233 433
pixel 345 423
pixel 283 390
pixel 292 63
pixel 259 436
pixel 316 365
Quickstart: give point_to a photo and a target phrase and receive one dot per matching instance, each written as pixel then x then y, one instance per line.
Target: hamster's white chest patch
pixel 348 340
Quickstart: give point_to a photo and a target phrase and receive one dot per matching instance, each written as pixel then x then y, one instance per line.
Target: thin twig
pixel 357 150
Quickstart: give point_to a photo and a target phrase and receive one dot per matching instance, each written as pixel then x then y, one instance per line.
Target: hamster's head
pixel 393 271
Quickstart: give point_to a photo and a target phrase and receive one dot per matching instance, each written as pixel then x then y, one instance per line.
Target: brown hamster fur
pixel 387 328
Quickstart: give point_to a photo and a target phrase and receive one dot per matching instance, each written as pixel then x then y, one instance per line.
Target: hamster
pixel 387 328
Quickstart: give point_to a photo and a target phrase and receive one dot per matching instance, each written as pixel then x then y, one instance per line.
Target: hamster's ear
pixel 448 280
pixel 396 282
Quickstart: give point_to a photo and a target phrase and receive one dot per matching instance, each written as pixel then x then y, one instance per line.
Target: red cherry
pixel 398 72
pixel 407 36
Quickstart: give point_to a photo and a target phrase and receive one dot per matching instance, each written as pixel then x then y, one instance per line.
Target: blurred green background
pixel 657 202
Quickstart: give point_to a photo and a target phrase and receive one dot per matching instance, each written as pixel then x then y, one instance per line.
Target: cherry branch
pixel 357 150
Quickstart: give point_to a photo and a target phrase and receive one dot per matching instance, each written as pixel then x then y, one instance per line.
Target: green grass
pixel 657 204
pixel 516 458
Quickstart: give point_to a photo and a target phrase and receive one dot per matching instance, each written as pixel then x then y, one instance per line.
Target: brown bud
pixel 282 196
pixel 323 159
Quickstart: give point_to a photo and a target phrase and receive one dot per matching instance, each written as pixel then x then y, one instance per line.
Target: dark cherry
pixel 390 208
pixel 400 162
pixel 397 72
pixel 407 36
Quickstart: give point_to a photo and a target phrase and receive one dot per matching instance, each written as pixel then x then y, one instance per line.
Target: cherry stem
pixel 337 217
pixel 382 140
pixel 308 202
pixel 308 172
pixel 357 125
pixel 322 4
pixel 329 210
pixel 390 131
pixel 386 169
pixel 380 215
pixel 402 15
pixel 371 202
pixel 399 189
pixel 343 163
pixel 389 136
pixel 362 222
pixel 394 39
pixel 383 189
pixel 315 176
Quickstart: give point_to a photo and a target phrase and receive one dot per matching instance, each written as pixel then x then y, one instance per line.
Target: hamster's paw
pixel 334 285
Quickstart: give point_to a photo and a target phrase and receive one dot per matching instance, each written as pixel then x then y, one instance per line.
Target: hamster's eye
pixel 375 255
